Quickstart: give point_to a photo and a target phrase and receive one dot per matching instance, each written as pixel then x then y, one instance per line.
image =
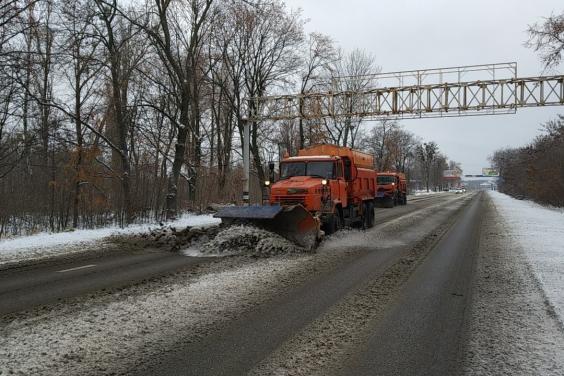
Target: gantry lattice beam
pixel 457 91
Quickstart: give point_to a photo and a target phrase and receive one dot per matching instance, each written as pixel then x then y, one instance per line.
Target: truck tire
pixel 405 198
pixel 332 224
pixel 365 215
pixel 369 215
pixel 338 221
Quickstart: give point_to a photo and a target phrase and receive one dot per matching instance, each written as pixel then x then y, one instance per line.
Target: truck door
pixel 339 191
pixel 348 182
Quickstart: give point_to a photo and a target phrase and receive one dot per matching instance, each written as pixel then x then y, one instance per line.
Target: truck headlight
pixel 266 183
pixel 324 182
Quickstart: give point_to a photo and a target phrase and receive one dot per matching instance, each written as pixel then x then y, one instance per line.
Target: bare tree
pixel 177 30
pixel 78 50
pixel 404 150
pixel 266 42
pixel 535 171
pixel 112 111
pixel 351 74
pixel 380 143
pixel 320 55
pixel 547 38
pixel 116 37
pixel 427 155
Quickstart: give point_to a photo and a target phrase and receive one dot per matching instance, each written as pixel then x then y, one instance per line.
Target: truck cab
pixel 311 182
pixel 392 189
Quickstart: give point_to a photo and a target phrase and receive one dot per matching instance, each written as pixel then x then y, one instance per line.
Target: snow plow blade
pixel 294 222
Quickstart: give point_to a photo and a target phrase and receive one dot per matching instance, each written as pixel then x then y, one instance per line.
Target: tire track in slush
pixel 336 336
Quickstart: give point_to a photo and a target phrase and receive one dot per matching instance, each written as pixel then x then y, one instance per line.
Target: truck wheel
pixel 328 225
pixel 405 198
pixel 338 221
pixel 370 215
pixel 365 215
pixel 332 224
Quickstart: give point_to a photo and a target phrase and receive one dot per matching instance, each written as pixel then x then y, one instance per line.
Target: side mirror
pixel 271 170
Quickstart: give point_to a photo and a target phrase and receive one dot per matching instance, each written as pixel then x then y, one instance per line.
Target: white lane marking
pixel 77 268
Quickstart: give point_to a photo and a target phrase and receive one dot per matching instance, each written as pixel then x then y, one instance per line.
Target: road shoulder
pixel 510 327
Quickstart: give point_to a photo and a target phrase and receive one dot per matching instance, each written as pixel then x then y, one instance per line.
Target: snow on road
pixel 112 334
pixel 540 232
pixel 50 244
pixel 425 193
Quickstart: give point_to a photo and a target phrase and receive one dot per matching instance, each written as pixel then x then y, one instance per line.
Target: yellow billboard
pixel 488 171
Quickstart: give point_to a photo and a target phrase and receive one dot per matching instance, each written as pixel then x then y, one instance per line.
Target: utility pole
pixel 246 160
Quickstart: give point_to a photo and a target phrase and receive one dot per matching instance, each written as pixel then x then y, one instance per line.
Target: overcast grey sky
pixel 407 35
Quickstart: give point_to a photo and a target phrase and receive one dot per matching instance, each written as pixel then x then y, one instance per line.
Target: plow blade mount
pixel 294 222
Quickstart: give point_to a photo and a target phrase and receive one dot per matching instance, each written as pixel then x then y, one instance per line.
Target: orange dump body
pixel 360 159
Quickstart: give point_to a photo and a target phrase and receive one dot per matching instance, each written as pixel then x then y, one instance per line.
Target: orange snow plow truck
pixel 392 189
pixel 323 187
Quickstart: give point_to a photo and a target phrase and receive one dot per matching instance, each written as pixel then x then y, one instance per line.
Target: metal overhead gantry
pixel 491 89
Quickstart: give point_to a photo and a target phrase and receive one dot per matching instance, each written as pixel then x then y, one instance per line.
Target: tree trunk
pixel 197 157
pixel 172 190
pixel 255 150
pixel 79 142
pixel 301 126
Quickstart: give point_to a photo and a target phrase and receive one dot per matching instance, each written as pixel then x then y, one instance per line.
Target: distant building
pixel 452 178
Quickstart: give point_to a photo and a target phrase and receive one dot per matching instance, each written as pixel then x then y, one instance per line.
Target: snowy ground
pixel 425 193
pixel 540 232
pixel 512 327
pixel 51 244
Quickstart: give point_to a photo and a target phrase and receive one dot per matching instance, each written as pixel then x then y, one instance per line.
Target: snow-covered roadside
pixel 47 244
pixel 510 330
pixel 540 232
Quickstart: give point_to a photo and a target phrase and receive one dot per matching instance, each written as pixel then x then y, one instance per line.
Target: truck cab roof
pixel 311 158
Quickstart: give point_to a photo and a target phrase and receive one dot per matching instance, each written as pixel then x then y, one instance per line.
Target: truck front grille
pixel 289 199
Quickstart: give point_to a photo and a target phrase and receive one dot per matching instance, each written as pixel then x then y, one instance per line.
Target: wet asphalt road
pixel 422 332
pixel 419 333
pixel 23 288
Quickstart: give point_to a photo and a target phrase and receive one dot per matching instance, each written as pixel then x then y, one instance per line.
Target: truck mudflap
pixel 293 222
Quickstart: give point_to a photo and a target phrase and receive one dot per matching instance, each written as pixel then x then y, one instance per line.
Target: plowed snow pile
pixel 65 243
pixel 249 240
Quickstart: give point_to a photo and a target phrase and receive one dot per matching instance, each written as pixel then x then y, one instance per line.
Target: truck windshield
pixel 381 180
pixel 322 169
